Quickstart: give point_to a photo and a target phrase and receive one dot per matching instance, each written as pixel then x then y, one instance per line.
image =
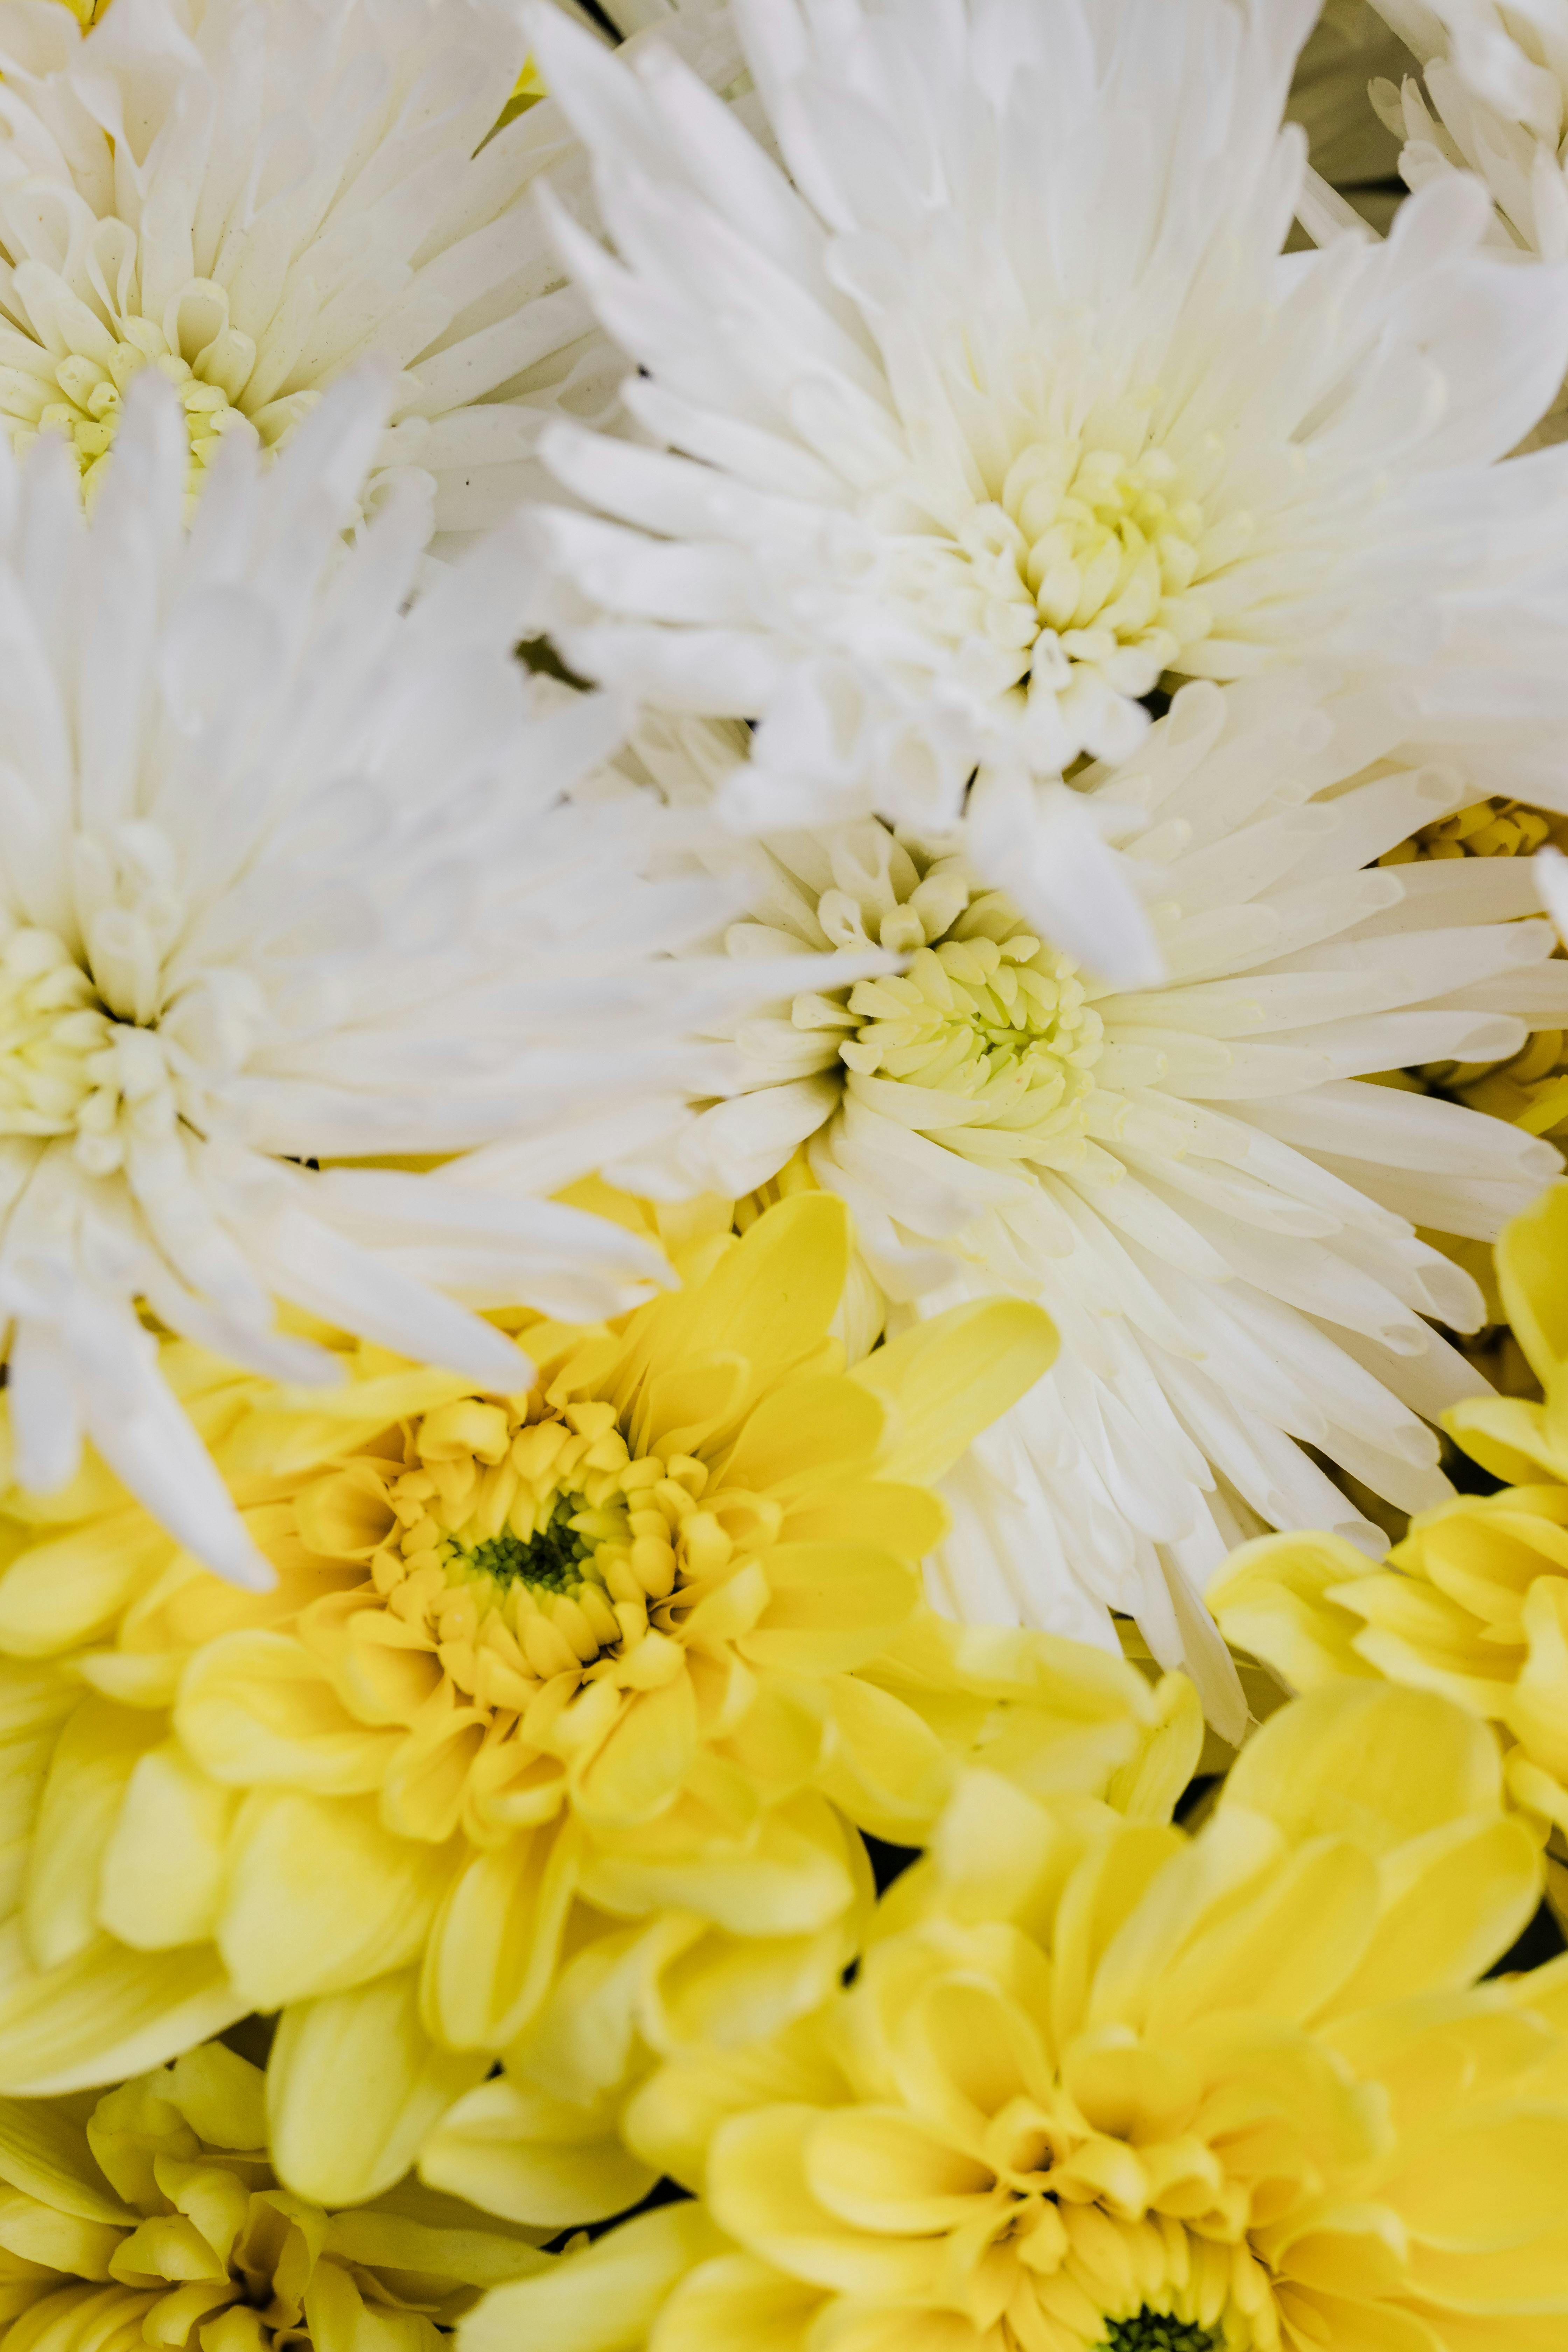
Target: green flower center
pixel 1157 2331
pixel 556 1560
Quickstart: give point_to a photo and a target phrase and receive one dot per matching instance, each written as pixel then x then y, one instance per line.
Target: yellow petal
pixel 98 1751
pixel 909 1520
pixel 603 2297
pixel 1370 1762
pixel 36 2233
pixel 257 1710
pixel 736 2300
pixel 44 2153
pixel 948 1378
pixel 164 1865
pixel 886 1768
pixel 1489 2179
pixel 321 1896
pixel 791 1878
pixel 1537 1709
pixel 639 1769
pixel 515 2152
pixel 355 2085
pixel 882 2169
pixel 60 1594
pixel 495 1941
pixel 831 1606
pixel 1271 1597
pixel 1531 1259
pixel 805 1434
pixel 1508 1436
pixel 105 2014
pixel 81 2319
pixel 760 2192
pixel 1286 1952
pixel 1454 1902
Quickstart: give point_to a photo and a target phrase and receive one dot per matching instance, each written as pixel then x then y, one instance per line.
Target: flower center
pixel 78 396
pixel 1085 559
pixel 70 1067
pixel 1004 1022
pixel 87 414
pixel 57 1041
pixel 1156 2331
pixel 544 1533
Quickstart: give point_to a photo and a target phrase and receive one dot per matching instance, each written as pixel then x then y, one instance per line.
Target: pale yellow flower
pixel 1474 1602
pixel 1102 2083
pixel 604 1676
pixel 153 2215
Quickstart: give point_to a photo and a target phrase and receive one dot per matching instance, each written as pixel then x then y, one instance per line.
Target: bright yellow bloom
pixel 596 1676
pixel 154 2217
pixel 1530 1088
pixel 1100 2083
pixel 1474 1602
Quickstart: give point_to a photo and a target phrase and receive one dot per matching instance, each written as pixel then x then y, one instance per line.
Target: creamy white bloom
pixel 1495 103
pixel 998 404
pixel 1193 1179
pixel 249 195
pixel 287 875
pixel 1492 100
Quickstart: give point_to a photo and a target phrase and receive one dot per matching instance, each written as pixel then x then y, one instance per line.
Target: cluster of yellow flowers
pixel 517 1852
pixel 591 1898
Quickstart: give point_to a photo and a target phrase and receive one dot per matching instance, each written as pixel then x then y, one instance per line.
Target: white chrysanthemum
pixel 1002 405
pixel 249 195
pixel 287 875
pixel 1193 1180
pixel 1495 103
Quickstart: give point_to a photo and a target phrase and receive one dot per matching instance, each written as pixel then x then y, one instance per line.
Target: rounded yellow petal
pixel 257 1710
pixel 164 1865
pixel 105 2014
pixel 1370 1762
pixel 532 2159
pixel 1273 1599
pixel 61 1593
pixel 1530 1258
pixel 947 1378
pixel 98 1750
pixel 354 2085
pixel 603 2297
pixel 495 1941
pixel 1453 1901
pixel 319 1896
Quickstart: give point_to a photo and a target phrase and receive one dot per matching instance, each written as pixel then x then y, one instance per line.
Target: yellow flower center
pixel 1090 547
pixel 78 396
pixel 1004 1024
pixel 531 1542
pixel 165 2221
pixel 985 1010
pixel 55 1040
pixel 88 412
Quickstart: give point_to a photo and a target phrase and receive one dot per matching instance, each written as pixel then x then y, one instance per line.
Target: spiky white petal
pixel 287 877
pixel 1194 1179
pixel 999 401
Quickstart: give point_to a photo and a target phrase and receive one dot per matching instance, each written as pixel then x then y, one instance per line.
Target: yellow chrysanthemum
pixel 1530 1088
pixel 632 1650
pixel 153 2215
pixel 1103 2084
pixel 1474 1602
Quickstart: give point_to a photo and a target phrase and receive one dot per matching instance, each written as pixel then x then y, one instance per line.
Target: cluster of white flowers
pixel 1004 589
